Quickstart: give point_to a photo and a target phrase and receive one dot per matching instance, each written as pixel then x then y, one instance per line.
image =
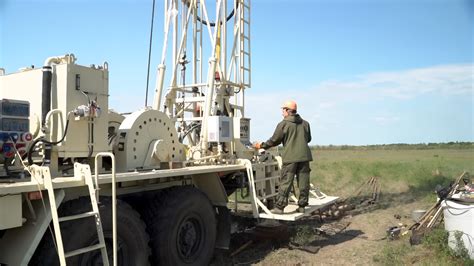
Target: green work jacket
pixel 295 134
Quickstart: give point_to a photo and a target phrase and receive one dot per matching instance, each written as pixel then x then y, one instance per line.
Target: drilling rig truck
pixel 84 185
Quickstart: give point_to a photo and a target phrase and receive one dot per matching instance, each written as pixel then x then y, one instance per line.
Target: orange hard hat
pixel 290 105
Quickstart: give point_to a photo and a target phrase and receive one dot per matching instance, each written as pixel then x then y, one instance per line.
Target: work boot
pixel 300 209
pixel 277 211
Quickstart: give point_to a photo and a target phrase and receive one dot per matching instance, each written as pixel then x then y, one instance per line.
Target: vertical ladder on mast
pixel 244 43
pixel 197 53
pixel 80 170
pixel 197 64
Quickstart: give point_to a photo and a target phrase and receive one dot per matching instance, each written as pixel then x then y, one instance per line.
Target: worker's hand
pixel 257 145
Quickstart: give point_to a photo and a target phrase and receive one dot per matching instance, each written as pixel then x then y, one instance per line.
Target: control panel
pixel 242 129
pixel 14 127
pixel 219 129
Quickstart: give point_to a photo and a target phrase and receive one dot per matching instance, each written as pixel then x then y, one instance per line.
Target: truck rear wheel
pixel 182 226
pixel 132 238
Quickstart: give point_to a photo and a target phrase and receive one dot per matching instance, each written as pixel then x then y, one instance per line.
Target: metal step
pixel 290 211
pixel 77 216
pixel 267 196
pixel 83 250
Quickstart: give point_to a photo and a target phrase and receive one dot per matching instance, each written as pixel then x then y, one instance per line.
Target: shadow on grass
pixel 339 238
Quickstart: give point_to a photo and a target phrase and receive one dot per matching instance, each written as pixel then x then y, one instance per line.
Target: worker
pixel 295 134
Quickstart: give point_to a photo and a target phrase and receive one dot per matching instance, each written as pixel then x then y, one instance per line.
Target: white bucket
pixel 459 216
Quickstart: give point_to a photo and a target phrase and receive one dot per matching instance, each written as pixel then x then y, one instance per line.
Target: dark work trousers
pixel 288 172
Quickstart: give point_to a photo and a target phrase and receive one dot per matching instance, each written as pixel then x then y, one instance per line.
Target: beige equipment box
pixel 72 86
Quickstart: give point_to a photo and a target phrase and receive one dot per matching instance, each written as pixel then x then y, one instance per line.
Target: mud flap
pixel 223 227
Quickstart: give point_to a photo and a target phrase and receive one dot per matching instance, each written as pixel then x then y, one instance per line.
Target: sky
pixel 362 72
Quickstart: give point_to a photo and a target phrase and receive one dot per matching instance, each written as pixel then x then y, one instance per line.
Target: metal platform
pixel 290 213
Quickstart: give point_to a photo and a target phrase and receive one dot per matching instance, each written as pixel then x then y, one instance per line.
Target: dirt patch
pixel 352 239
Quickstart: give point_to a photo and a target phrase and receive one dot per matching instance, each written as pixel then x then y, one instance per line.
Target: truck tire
pixel 132 238
pixel 182 226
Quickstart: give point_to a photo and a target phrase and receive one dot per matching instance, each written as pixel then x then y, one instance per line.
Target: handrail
pixel 114 199
pixel 48 123
pixel 255 201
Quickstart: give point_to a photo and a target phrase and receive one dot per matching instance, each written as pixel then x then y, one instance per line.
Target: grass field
pixel 407 176
pixel 416 172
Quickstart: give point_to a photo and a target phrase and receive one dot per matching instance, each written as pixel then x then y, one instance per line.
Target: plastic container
pixel 459 216
pixel 417 214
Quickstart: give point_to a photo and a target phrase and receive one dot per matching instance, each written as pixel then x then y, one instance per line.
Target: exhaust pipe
pixel 46 94
pixel 45 108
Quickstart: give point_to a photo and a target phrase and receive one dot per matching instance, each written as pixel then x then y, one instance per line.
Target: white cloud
pixel 406 84
pixel 386 120
pixel 326 105
pixel 330 105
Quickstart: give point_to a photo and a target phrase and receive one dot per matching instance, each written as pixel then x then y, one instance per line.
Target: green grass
pixel 438 240
pixel 433 251
pixel 393 254
pixel 406 175
pixel 413 171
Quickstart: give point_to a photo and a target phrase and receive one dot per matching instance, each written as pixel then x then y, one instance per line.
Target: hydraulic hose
pixel 50 143
pixel 213 24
